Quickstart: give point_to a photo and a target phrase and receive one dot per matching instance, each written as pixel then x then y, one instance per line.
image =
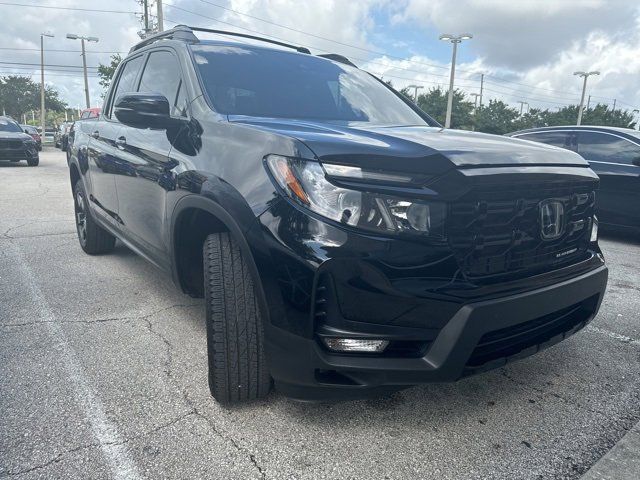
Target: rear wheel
pixel 235 337
pixel 93 238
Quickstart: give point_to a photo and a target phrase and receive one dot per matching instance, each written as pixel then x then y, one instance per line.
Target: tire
pixel 235 336
pixel 33 162
pixel 93 239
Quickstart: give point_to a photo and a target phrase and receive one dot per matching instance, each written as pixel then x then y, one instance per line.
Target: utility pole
pixel 146 17
pixel 614 104
pixel 415 92
pixel 481 87
pixel 73 36
pixel 588 102
pixel 475 109
pixel 160 16
pixel 584 75
pixel 455 40
pixel 42 111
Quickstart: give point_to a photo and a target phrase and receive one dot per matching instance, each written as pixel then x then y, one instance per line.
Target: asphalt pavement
pixel 103 375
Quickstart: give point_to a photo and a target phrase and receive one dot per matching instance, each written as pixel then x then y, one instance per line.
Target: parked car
pixel 88 114
pixel 345 243
pixel 614 154
pixel 61 138
pixel 15 145
pixel 34 133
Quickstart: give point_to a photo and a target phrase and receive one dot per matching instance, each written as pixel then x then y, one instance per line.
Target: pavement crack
pixel 144 317
pixel 232 441
pixel 60 456
pixel 191 404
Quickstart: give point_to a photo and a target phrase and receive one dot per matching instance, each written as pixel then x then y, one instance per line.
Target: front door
pixel 143 191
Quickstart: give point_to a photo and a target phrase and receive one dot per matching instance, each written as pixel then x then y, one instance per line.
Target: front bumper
pixel 479 336
pixel 24 152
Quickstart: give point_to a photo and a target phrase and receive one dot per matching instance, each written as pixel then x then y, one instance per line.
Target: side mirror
pixel 144 110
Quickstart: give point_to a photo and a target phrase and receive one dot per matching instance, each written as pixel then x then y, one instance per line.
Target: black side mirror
pixel 144 110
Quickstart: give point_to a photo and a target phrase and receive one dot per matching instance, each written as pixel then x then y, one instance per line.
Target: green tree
pixel 496 117
pixel 434 102
pixel 19 95
pixel 106 72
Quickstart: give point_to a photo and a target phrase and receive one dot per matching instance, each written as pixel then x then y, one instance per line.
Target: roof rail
pixel 337 58
pixel 180 32
pixel 253 37
pixel 185 33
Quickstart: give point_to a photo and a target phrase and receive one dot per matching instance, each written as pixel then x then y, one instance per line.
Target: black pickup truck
pixel 345 243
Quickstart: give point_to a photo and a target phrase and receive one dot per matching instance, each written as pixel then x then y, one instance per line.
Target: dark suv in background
pixel 344 242
pixel 15 144
pixel 614 154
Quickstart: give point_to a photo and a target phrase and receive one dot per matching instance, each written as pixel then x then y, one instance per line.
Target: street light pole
pixel 585 75
pixel 73 36
pixel 522 104
pixel 42 111
pixel 415 92
pixel 455 40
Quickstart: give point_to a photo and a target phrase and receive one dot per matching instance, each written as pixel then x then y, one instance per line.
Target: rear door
pixel 145 153
pixel 612 158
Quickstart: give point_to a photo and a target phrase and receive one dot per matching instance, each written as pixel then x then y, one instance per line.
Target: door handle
pixel 121 142
pixel 95 134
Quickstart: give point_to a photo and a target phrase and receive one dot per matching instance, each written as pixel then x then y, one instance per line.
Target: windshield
pixel 7 125
pixel 273 83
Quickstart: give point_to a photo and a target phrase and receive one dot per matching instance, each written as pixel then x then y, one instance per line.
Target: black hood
pixel 15 136
pixel 420 149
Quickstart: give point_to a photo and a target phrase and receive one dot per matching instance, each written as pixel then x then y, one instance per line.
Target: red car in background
pixel 33 131
pixel 86 114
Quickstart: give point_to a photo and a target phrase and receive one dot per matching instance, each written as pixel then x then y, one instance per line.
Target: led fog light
pixel 355 345
pixel 594 229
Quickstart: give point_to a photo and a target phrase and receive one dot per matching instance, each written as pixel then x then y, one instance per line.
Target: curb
pixel 622 462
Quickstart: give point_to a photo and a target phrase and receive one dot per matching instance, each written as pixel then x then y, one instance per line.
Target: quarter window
pixel 162 75
pixel 602 147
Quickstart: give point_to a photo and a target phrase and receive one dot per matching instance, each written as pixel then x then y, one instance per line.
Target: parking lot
pixel 103 375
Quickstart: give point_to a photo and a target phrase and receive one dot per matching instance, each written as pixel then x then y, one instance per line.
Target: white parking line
pixel 111 443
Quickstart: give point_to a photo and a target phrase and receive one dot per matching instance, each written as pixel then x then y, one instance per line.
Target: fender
pixel 250 240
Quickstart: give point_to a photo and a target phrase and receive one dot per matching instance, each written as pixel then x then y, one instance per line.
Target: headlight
pixel 305 182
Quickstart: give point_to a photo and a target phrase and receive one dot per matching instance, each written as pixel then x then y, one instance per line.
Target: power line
pixel 55 50
pixel 46 65
pixel 51 7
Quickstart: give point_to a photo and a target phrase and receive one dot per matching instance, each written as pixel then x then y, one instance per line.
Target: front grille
pixel 497 232
pixel 10 144
pixel 508 343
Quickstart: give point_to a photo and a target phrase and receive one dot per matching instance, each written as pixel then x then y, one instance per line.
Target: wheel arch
pixel 191 211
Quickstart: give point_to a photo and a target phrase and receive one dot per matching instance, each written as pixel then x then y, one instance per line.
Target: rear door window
pixel 602 147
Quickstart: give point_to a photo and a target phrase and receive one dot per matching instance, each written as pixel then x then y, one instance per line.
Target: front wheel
pixel 94 239
pixel 33 162
pixel 235 336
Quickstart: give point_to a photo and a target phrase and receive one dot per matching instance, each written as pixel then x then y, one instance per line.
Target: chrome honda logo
pixel 551 219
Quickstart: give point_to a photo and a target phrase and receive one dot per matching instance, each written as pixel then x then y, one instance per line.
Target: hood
pixel 15 136
pixel 420 149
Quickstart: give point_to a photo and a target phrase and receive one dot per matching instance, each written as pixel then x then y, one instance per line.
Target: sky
pixel 527 49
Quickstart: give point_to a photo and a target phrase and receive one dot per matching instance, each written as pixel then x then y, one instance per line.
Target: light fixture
pixel 355 345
